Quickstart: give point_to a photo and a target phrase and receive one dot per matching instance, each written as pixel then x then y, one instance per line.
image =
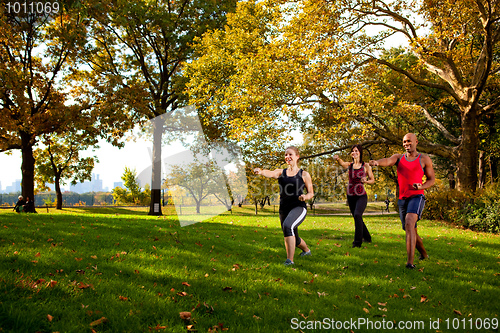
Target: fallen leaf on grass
pixel 158 327
pixel 457 312
pixel 368 304
pixel 123 298
pixel 186 284
pixel 217 328
pixel 39 281
pixel 366 310
pixel 382 304
pixel 49 317
pixel 185 315
pixel 210 308
pixel 84 285
pixel 98 321
pixel 423 299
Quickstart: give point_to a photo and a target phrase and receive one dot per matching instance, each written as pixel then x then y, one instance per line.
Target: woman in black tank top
pixel 293 209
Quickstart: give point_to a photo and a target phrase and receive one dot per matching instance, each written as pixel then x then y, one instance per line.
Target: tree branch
pixel 364 144
pixel 440 126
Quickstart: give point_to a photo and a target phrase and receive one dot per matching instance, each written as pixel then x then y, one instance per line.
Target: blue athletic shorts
pixel 414 204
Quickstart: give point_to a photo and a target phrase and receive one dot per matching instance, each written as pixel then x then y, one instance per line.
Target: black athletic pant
pixel 290 221
pixel 357 205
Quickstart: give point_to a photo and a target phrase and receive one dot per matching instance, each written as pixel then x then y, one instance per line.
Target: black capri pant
pixel 290 220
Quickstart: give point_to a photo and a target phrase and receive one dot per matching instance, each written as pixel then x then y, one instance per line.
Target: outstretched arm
pixel 268 173
pixel 344 164
pixel 388 161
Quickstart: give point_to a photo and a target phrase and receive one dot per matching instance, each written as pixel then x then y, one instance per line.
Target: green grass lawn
pixel 120 270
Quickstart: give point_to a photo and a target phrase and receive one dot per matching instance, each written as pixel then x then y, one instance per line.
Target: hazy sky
pixel 112 162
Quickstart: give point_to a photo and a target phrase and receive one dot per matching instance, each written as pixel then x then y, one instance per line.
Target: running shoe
pixel 304 253
pixel 288 262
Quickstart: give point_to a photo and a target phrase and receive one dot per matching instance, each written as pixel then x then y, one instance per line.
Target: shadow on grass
pixel 231 273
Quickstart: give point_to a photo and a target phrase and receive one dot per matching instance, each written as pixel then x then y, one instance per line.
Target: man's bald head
pixel 410 136
pixel 410 143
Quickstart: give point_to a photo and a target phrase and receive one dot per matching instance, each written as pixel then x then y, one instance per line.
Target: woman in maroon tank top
pixel 360 173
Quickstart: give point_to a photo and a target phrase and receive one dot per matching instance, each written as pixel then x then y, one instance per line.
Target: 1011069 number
pixel 32 7
pixel 471 324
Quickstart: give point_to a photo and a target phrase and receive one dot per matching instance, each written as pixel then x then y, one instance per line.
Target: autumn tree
pixel 236 80
pixel 455 43
pixel 138 52
pixel 61 160
pixel 327 53
pixel 34 50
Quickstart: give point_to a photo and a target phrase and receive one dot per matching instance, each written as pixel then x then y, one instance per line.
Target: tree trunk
pixel 468 152
pixel 57 181
pixel 155 205
pixel 27 167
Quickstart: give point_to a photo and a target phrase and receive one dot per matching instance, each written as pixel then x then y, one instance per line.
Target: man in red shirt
pixel 411 167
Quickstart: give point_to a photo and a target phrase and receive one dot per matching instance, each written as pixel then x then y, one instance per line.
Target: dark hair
pixel 360 148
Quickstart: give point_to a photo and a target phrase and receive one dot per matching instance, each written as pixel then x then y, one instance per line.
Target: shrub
pixel 476 211
pixel 482 217
pixel 446 205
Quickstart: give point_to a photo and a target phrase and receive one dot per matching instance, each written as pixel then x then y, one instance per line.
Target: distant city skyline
pixel 94 185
